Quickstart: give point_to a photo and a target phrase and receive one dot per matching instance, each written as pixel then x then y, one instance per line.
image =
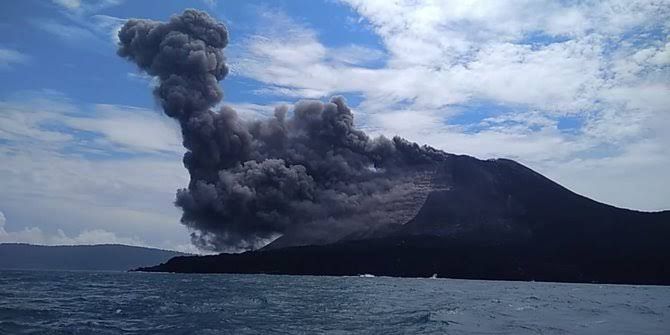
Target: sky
pixel 577 90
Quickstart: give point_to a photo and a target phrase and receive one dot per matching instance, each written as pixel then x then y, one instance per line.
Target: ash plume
pixel 307 175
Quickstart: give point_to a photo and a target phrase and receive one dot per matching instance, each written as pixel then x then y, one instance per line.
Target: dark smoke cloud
pixel 308 175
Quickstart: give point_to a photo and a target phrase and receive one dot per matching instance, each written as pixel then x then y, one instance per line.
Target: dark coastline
pixel 422 256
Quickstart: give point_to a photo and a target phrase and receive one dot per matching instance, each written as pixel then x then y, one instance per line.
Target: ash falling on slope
pixel 307 175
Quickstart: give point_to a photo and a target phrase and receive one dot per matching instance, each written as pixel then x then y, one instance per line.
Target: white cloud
pixel 296 64
pixel 355 55
pixel 406 121
pixel 107 25
pixel 79 7
pixel 210 3
pixel 136 129
pixel 68 4
pixel 35 235
pixel 79 28
pixel 289 58
pixel 68 32
pixel 51 119
pixel 47 188
pixel 97 168
pixel 10 57
pixel 636 178
pixel 38 236
pixel 557 77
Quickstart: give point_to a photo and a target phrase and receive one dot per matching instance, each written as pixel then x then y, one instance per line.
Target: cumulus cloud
pixel 35 235
pixel 90 167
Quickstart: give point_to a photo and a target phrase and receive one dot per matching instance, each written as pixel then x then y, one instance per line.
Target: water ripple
pixel 35 302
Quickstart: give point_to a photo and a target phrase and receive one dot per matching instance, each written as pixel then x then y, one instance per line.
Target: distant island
pixel 106 257
pixel 497 219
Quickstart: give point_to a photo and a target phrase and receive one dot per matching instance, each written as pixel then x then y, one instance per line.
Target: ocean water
pixel 42 302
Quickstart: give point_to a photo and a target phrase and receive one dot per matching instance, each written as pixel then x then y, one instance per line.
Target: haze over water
pixel 148 303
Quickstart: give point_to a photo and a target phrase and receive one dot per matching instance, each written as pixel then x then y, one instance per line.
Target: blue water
pixel 37 302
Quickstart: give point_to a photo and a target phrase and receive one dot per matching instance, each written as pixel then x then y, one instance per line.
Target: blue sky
pixel 576 90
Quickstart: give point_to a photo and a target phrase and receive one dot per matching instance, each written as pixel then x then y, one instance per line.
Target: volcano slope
pixel 483 219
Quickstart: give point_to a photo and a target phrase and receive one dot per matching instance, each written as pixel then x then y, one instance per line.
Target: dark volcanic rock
pixel 500 199
pixel 493 219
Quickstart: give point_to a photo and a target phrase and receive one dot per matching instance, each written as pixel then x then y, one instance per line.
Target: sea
pixel 69 302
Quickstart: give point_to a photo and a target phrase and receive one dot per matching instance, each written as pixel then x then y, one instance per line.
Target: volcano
pixel 332 200
pixel 471 218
